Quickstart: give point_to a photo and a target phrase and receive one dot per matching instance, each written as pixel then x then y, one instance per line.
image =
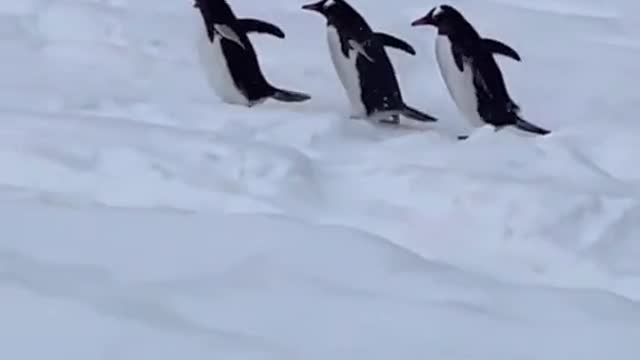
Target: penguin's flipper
pixel 394 42
pixel 417 115
pixel 289 96
pixel 458 57
pixel 527 126
pixel 228 33
pixel 259 26
pixel 498 47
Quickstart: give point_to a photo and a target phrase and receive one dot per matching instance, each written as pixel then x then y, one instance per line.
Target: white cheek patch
pixel 329 4
pixel 437 11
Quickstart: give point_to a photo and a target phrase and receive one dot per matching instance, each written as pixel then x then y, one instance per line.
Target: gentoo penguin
pixel 362 64
pixel 471 74
pixel 229 59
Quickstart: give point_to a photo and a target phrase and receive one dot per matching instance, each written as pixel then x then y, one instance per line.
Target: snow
pixel 143 218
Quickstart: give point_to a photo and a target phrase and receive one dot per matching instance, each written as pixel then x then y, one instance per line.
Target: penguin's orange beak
pixel 319 6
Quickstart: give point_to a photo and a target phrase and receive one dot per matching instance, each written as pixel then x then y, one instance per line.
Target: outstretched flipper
pixel 498 47
pixel 527 126
pixel 289 96
pixel 394 42
pixel 417 115
pixel 259 26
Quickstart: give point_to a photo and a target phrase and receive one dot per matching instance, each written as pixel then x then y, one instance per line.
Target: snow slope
pixel 142 218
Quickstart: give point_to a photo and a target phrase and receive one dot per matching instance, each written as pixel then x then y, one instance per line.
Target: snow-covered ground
pixel 144 219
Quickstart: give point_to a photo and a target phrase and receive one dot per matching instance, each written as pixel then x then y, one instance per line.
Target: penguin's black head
pixel 340 14
pixel 444 17
pixel 328 8
pixel 217 11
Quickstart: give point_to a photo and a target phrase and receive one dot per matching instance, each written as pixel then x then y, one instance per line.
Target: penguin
pixel 230 60
pixel 365 71
pixel 471 74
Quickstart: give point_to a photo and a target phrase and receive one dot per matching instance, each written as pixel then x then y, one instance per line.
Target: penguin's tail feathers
pixel 417 115
pixel 289 96
pixel 529 127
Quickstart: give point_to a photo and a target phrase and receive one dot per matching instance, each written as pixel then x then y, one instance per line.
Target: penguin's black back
pixel 494 102
pixel 243 63
pixel 378 82
pixel 380 88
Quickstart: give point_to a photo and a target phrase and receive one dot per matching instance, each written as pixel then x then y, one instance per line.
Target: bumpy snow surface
pixel 141 218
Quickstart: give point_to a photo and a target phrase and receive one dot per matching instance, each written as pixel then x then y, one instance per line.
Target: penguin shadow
pixel 384 130
pixel 394 124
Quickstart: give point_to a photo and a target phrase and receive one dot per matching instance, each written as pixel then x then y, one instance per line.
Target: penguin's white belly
pixel 459 83
pixel 217 70
pixel 347 72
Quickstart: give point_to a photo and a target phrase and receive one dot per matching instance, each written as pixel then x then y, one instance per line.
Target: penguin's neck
pixel 463 34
